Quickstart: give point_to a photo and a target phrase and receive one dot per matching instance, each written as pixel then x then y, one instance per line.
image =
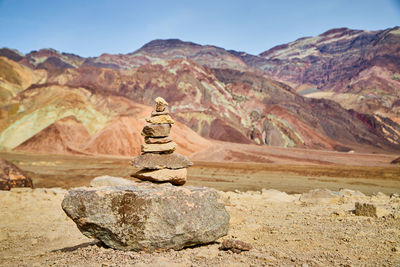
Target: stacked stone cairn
pixel 129 215
pixel 158 162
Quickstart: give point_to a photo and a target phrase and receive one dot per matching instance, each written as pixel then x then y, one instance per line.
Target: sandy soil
pixel 34 231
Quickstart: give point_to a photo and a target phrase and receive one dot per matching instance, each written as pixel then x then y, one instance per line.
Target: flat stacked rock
pixel 158 161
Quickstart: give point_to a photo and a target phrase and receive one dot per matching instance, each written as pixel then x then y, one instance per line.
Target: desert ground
pixel 231 167
pixel 284 230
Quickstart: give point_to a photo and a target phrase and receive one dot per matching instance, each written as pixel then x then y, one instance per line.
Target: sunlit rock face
pixel 148 217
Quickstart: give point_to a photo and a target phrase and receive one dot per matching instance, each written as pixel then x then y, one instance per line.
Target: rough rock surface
pixel 365 209
pixel 159 148
pixel 160 140
pixel 161 119
pixel 148 217
pixel 109 181
pixel 370 210
pixel 175 177
pixel 235 246
pixel 156 130
pixel 156 161
pixel 11 176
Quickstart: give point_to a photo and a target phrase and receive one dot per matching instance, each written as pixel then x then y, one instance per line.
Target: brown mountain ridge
pixel 219 94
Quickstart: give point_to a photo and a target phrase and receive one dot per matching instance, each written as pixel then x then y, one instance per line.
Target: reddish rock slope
pixel 223 95
pixel 63 136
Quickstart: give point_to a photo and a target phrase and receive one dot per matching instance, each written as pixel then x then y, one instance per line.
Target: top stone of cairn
pixel 161 114
pixel 161 104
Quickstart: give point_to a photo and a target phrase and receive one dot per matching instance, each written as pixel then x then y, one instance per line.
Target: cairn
pixel 158 162
pixel 148 216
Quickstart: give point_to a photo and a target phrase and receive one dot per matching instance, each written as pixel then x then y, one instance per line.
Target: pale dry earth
pixel 34 231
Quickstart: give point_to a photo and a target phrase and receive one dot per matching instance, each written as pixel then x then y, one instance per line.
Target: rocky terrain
pixel 219 94
pixel 312 229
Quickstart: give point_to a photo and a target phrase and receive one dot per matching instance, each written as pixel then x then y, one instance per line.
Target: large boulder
pixel 149 217
pixel 11 176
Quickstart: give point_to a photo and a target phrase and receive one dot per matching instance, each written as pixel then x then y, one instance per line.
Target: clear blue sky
pixel 90 28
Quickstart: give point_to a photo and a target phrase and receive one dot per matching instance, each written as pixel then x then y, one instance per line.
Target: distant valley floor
pixel 368 173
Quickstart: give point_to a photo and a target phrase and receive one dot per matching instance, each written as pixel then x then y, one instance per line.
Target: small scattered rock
pixel 364 209
pixel 235 246
pixel 370 210
pixel 11 176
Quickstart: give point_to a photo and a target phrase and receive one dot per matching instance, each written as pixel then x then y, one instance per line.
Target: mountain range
pixel 336 91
